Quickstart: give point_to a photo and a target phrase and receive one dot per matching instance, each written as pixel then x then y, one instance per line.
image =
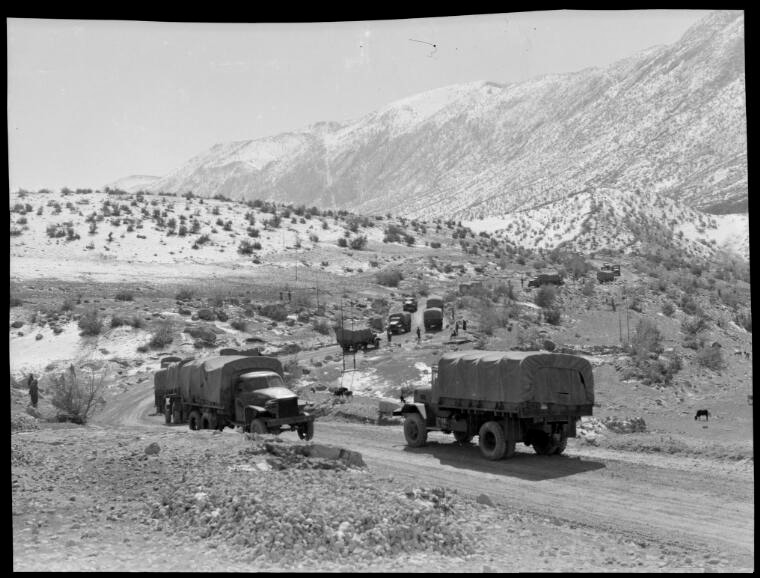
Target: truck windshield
pixel 259 380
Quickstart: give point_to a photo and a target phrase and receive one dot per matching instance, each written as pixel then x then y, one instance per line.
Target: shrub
pixel 711 357
pixel 184 294
pixel 588 288
pixel 136 321
pixel 117 320
pixel 435 245
pixel 692 326
pixel 321 326
pixel 239 324
pixel 90 322
pixel 646 339
pixel 162 336
pixel 358 243
pixel 552 315
pixel 77 397
pixel 125 295
pixel 245 247
pixel 668 308
pixel 390 278
pixel 342 242
pixel 274 311
pixel 545 296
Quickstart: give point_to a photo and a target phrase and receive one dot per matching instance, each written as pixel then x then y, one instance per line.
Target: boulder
pixel 153 449
pixel 485 500
pixel 206 314
pixel 17 324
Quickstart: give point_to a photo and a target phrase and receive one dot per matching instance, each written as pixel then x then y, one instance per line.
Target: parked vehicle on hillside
pixel 232 390
pixel 614 269
pixel 546 279
pixel 503 397
pixel 605 276
pixel 356 339
pixel 400 322
pixel 410 304
pixel 432 318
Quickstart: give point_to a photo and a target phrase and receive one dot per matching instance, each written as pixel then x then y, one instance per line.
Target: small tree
pixel 90 322
pixel 545 296
pixel 77 396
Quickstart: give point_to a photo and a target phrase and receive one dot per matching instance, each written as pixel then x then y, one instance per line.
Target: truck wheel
pixel 543 444
pixel 414 430
pixel 208 420
pixel 492 442
pixel 306 431
pixel 258 426
pixel 462 437
pixel 194 420
pixel 561 445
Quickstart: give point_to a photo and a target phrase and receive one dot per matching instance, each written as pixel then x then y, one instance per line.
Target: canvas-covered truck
pixel 503 397
pixel 432 318
pixel 234 390
pixel 434 301
pixel 605 276
pixel 400 322
pixel 356 339
pixel 546 279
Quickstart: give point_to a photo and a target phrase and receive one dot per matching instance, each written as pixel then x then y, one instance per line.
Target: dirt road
pixel 699 504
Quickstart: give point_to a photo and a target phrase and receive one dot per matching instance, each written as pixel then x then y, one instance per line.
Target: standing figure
pixel 418 334
pixel 389 335
pixel 464 324
pixel 33 391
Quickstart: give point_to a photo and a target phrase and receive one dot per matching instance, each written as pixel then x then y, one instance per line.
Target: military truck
pixel 356 339
pixel 432 318
pixel 605 276
pixel 400 322
pixel 546 279
pixel 503 397
pixel 614 269
pixel 410 304
pixel 232 390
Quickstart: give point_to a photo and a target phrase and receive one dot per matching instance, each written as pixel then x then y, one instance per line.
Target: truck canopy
pixel 211 381
pixel 434 301
pixel 432 313
pixel 514 377
pixel 353 336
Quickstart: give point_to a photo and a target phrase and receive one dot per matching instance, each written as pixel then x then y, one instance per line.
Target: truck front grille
pixel 283 407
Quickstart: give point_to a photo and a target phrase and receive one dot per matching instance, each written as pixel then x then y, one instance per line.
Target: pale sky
pixel 90 102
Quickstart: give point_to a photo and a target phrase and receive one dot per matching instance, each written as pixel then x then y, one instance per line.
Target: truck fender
pixel 251 411
pixel 414 408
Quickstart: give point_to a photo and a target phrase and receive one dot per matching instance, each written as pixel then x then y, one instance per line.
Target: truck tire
pixel 208 420
pixel 258 426
pixel 306 431
pixel 543 444
pixel 492 442
pixel 561 446
pixel 194 420
pixel 414 430
pixel 463 437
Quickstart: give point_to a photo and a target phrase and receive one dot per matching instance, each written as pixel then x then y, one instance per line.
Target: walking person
pixel 33 390
pixel 418 334
pixel 464 324
pixel 389 336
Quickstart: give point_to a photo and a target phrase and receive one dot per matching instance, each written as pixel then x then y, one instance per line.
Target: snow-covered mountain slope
pixel 620 221
pixel 670 121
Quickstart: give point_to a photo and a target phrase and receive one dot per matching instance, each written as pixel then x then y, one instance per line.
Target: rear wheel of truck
pixel 543 444
pixel 414 430
pixel 306 431
pixel 258 426
pixel 208 420
pixel 463 437
pixel 194 420
pixel 492 442
pixel 561 446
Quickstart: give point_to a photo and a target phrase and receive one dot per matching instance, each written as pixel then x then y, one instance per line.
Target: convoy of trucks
pixel 503 397
pixel 228 391
pixel 432 316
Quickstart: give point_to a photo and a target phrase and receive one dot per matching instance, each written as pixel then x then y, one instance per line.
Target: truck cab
pixel 263 393
pixel 410 304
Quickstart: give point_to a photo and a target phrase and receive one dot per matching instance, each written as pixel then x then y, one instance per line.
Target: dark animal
pixel 702 412
pixel 343 392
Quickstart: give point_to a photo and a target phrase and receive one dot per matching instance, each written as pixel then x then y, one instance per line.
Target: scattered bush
pixel 358 243
pixel 125 295
pixel 321 326
pixel 90 322
pixel 274 311
pixel 711 357
pixel 668 308
pixel 552 315
pixel 390 278
pixel 239 324
pixel 545 296
pixel 588 288
pixel 77 397
pixel 646 339
pixel 162 336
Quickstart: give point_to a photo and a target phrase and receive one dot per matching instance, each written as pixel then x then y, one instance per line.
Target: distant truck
pixel 231 390
pixel 605 276
pixel 400 322
pixel 410 304
pixel 503 397
pixel 546 279
pixel 356 339
pixel 614 269
pixel 432 318
pixel 434 301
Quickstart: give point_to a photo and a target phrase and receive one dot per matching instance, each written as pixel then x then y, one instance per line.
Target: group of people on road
pixel 454 332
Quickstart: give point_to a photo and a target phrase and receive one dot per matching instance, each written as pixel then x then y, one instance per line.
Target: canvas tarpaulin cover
pixel 211 380
pixel 515 377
